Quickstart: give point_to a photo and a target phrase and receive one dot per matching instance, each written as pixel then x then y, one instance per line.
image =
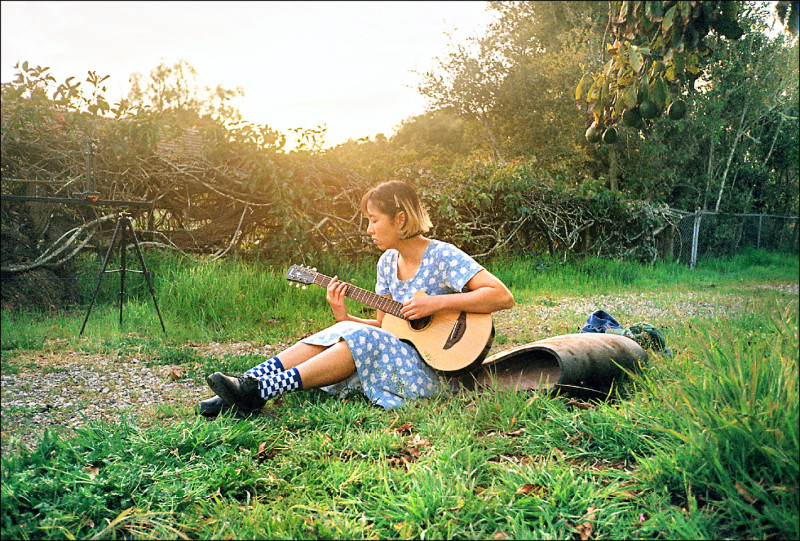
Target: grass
pixel 233 300
pixel 703 445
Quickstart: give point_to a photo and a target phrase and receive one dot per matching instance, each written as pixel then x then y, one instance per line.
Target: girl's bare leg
pixel 332 365
pixel 299 353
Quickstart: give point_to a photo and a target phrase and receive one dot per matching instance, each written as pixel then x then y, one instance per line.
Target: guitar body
pixel 448 341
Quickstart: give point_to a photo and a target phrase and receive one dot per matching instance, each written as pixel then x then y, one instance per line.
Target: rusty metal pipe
pixel 586 363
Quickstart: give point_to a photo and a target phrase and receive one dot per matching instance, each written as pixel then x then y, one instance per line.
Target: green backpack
pixel 645 335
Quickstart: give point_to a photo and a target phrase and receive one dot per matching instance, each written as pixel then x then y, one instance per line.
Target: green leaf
pixel 692 64
pixel 686 10
pixel 594 91
pixel 629 96
pixel 637 61
pixel 579 88
pixel 658 92
pixel 679 61
pixel 619 104
pixel 677 43
pixel 668 19
pixel 608 67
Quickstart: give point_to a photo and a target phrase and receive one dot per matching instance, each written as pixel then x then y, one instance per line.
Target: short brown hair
pixel 394 196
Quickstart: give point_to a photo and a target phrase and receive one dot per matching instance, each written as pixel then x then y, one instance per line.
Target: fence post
pixel 695 237
pixel 758 238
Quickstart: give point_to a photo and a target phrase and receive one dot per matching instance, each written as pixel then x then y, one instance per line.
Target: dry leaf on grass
pixel 404 428
pixel 410 453
pixel 585 529
pixel 416 441
pixel 745 494
pixel 263 453
pixel 581 405
pixel 530 488
pixel 92 471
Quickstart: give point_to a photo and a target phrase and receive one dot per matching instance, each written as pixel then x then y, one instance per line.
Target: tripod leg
pixel 100 276
pixel 123 263
pixel 146 275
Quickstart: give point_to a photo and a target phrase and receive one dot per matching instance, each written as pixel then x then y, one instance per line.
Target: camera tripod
pixel 126 225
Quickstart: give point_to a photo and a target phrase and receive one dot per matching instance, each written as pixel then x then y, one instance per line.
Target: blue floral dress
pixel 389 371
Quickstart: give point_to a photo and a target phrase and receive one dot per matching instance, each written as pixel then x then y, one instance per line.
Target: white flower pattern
pixel 388 379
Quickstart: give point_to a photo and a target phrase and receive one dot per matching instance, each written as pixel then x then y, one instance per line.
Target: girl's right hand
pixel 335 297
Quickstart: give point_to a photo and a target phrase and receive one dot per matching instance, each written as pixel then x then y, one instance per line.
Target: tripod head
pixel 90 192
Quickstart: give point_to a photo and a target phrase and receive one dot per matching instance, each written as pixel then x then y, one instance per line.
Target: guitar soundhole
pixel 421 323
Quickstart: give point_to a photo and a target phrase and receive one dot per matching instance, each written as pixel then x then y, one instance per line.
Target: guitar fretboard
pixel 365 296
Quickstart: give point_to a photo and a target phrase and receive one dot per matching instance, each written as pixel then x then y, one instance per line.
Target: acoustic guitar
pixel 453 342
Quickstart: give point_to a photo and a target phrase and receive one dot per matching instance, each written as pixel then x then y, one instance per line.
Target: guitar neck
pixel 365 296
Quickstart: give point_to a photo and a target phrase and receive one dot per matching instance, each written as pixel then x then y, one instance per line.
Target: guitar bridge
pixel 458 331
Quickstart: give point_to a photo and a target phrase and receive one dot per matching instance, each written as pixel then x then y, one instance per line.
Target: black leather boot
pixel 212 407
pixel 240 392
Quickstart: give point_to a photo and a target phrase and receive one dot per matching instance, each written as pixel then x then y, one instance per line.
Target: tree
pixel 172 92
pixel 467 82
pixel 747 87
pixel 546 46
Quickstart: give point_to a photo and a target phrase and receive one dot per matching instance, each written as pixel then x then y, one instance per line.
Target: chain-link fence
pixel 703 234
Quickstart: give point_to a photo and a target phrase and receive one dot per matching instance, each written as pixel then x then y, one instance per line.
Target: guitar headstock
pixel 301 275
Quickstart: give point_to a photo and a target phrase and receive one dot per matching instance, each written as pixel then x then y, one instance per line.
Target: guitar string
pixel 391 304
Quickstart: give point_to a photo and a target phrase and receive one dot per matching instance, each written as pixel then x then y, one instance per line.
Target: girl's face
pixel 384 230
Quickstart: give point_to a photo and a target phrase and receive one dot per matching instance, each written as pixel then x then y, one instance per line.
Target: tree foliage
pixel 656 49
pixel 652 46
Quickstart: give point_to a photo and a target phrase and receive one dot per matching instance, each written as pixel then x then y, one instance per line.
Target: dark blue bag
pixel 600 321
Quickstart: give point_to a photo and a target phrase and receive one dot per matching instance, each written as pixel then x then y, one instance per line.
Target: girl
pixel 355 353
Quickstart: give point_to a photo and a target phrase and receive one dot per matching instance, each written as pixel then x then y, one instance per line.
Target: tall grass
pixel 727 415
pixel 702 445
pixel 590 275
pixel 235 300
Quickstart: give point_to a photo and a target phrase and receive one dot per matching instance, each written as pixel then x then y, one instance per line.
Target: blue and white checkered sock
pixel 278 384
pixel 266 369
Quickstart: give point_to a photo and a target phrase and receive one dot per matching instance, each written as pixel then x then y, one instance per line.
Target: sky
pixel 346 65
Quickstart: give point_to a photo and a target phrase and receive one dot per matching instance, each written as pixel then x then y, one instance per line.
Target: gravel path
pixel 63 390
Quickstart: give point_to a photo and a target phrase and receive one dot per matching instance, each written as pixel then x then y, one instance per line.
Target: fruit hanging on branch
pixel 648 109
pixel 677 110
pixel 592 134
pixel 655 50
pixel 632 117
pixel 610 136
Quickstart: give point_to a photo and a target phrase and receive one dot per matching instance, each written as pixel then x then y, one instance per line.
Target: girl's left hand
pixel 419 307
pixel 335 297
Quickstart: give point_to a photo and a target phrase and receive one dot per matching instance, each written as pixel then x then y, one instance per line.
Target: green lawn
pixel 701 445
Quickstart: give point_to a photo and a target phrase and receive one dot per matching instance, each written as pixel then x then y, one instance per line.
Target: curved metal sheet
pixel 580 363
